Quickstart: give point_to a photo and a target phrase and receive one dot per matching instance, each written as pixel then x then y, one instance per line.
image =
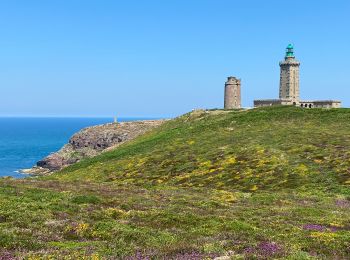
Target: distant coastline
pixel 26 140
pixel 92 141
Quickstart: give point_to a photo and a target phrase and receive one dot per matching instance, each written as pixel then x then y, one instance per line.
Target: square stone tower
pixel 232 93
pixel 289 77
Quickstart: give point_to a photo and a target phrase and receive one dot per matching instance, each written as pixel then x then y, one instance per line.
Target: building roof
pixel 320 101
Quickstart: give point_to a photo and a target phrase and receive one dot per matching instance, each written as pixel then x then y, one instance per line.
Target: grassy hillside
pixel 264 183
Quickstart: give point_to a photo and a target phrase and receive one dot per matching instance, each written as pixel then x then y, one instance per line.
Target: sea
pixel 24 141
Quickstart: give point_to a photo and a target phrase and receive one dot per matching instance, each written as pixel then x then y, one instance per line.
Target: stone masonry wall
pixel 232 93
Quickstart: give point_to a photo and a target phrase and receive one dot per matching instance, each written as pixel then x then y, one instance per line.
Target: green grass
pixel 263 183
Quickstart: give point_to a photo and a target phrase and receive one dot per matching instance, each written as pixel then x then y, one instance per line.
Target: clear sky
pixel 160 58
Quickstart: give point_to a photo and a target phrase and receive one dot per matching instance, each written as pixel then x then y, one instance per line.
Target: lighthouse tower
pixel 289 77
pixel 232 93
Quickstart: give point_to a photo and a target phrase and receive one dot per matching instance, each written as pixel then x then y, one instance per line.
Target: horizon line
pixel 80 116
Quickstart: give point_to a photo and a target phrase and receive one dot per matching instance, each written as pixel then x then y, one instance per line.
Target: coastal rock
pixel 58 160
pixel 36 171
pixel 92 141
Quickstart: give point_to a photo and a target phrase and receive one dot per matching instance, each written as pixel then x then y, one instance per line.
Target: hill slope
pixel 263 183
pixel 247 150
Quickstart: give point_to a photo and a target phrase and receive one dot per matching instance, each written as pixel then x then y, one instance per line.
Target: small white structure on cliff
pixel 289 93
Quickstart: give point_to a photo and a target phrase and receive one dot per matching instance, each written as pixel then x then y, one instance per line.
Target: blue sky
pixel 161 58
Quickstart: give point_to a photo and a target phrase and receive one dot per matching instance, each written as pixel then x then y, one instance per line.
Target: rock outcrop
pixel 92 141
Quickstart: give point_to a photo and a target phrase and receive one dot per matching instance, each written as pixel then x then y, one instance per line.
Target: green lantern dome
pixel 290 51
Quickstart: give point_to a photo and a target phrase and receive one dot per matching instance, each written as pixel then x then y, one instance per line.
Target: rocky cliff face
pixel 92 141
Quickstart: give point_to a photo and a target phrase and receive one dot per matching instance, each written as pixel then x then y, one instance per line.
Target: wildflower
pixel 302 169
pixel 342 203
pixel 231 160
pixel 95 256
pixel 81 228
pixel 336 224
pixel 116 213
pixel 324 237
pixel 205 164
pixel 224 196
pixel 249 250
pixel 268 248
pixel 314 227
pixel 260 151
pixel 7 256
pixel 254 188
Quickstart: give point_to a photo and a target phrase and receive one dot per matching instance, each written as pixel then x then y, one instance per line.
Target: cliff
pixel 92 141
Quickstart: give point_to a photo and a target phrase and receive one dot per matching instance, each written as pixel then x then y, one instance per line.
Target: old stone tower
pixel 289 77
pixel 232 93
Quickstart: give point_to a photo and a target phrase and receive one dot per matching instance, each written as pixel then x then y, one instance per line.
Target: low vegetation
pixel 252 184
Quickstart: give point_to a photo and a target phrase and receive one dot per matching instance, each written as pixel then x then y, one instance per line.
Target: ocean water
pixel 24 141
